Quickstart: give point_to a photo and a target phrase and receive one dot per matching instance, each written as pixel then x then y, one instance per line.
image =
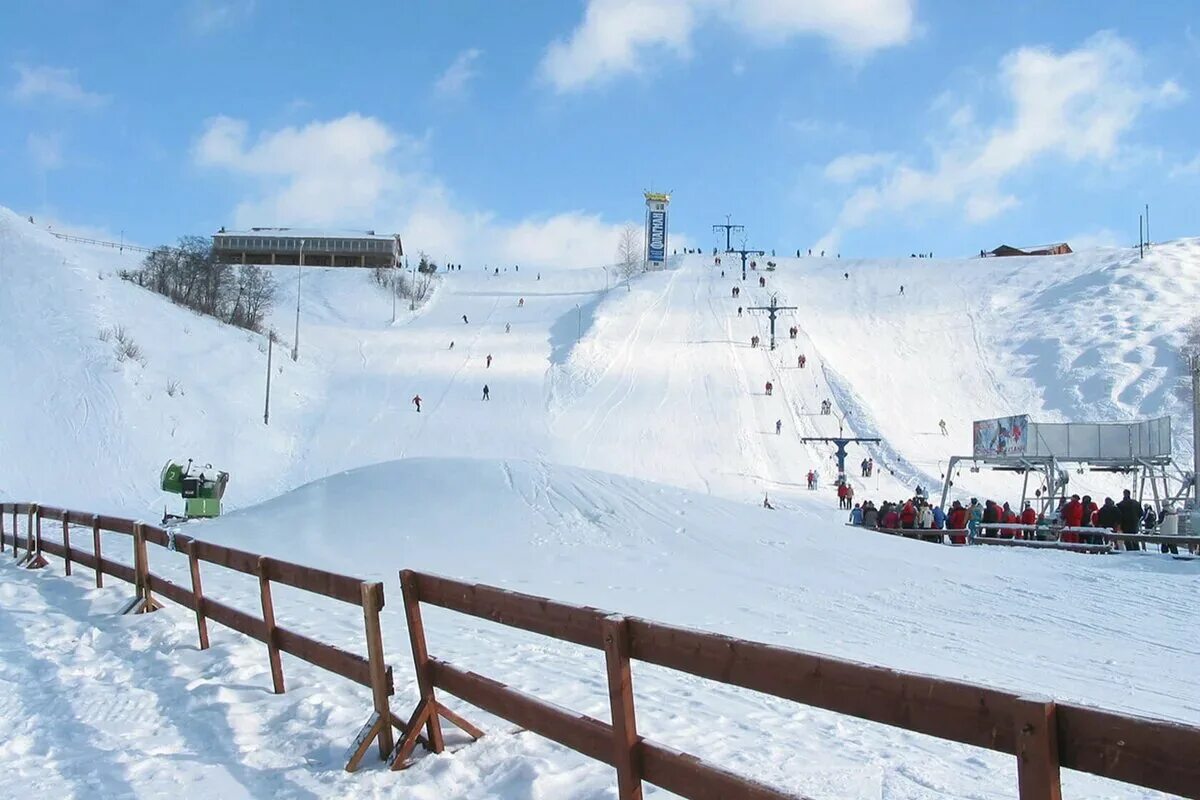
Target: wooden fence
pixel 371 671
pixel 1043 735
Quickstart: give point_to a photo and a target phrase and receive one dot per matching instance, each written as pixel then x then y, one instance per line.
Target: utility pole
pixel 412 290
pixel 267 402
pixel 728 227
pixel 397 252
pixel 772 311
pixel 296 338
pixel 743 253
pixel 1141 239
pixel 1195 364
pixel 1147 226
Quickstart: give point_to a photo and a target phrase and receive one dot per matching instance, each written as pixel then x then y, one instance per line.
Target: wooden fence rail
pixel 370 671
pixel 1042 734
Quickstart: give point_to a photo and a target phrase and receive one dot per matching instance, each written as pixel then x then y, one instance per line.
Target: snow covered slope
pixel 658 382
pixel 206 721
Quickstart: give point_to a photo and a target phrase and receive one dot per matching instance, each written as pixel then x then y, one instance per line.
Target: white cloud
pixel 1076 106
pixel 615 35
pixel 851 167
pixel 45 150
pixel 453 82
pixel 210 16
pixel 325 172
pixel 1186 169
pixel 356 172
pixel 56 84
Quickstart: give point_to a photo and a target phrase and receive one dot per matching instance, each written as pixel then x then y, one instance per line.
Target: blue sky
pixel 526 132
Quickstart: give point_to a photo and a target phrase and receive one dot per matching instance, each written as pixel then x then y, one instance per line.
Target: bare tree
pixel 629 252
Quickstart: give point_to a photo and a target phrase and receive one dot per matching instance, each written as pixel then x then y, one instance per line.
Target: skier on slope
pixel 489 361
pixel 507 327
pixel 769 388
pixel 465 320
pixel 942 425
pixel 486 393
pixel 451 347
pixel 417 402
pixel 778 427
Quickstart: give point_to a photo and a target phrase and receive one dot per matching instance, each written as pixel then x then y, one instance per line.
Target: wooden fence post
pixel 420 652
pixel 33 555
pixel 1037 749
pixel 268 611
pixel 96 551
pixel 144 602
pixel 198 594
pixel 381 689
pixel 66 544
pixel 16 532
pixel 620 698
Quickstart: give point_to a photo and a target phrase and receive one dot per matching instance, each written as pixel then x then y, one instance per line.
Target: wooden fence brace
pixel 268 610
pixel 198 594
pixel 420 651
pixel 381 690
pixel 96 550
pixel 1037 749
pixel 143 602
pixel 380 725
pixel 66 545
pixel 626 755
pixel 33 552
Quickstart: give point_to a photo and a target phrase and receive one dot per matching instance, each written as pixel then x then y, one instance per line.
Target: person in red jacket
pixel 956 520
pixel 1028 517
pixel 1072 516
pixel 908 515
pixel 891 520
pixel 841 493
pixel 1008 517
pixel 1089 519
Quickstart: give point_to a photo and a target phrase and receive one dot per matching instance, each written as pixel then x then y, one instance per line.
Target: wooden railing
pixel 1043 735
pixel 371 671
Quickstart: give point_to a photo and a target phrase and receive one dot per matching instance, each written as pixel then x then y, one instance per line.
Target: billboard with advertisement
pixel 1003 436
pixel 656 237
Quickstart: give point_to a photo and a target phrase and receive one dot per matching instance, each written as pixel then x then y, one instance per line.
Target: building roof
pixel 306 233
pixel 1036 247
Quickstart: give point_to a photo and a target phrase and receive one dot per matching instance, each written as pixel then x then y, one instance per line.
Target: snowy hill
pixel 620 461
pixel 658 382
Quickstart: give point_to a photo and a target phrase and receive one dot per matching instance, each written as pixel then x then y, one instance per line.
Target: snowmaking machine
pixel 201 488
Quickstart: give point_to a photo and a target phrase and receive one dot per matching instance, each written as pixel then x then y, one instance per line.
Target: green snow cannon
pixel 201 488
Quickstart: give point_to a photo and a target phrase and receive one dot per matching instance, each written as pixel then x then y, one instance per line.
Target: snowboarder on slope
pixel 778 426
pixel 486 393
pixel 769 388
pixel 465 320
pixel 451 347
pixel 507 327
pixel 489 361
pixel 417 402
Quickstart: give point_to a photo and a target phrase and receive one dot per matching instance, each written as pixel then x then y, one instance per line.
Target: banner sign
pixel 657 250
pixel 1004 436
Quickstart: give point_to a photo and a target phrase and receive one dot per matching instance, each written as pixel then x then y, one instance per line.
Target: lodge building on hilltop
pixel 1057 249
pixel 267 246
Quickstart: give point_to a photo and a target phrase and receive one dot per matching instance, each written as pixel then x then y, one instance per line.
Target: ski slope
pixel 158 717
pixel 621 462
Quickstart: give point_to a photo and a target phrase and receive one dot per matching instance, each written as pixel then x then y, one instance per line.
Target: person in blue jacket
pixel 939 518
pixel 856 515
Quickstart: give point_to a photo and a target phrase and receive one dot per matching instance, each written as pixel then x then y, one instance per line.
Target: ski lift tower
pixel 772 311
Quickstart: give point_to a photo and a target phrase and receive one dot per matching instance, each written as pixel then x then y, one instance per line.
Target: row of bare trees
pixel 190 275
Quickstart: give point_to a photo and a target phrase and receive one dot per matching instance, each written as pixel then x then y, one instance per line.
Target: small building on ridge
pixel 1057 249
pixel 320 248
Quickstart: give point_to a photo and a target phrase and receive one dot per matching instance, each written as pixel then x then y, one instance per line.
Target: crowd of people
pixel 1078 520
